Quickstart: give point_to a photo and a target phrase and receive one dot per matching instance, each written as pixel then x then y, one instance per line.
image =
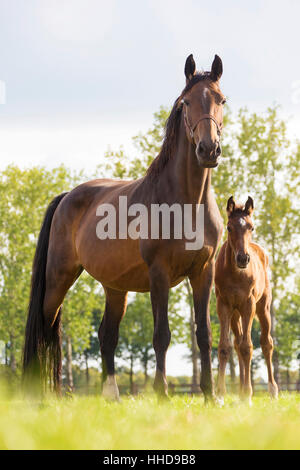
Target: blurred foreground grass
pixel 140 423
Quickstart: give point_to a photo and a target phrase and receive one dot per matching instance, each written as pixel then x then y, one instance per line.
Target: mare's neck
pixel 186 179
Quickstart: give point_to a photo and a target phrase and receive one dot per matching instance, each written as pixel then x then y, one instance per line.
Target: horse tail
pixel 42 349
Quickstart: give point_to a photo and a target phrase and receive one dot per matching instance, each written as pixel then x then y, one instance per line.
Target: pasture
pixel 139 423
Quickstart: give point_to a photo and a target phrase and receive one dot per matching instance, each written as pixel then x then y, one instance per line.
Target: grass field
pixel 140 423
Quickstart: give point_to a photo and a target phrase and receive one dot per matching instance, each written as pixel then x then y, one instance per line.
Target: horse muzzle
pixel 242 260
pixel 208 156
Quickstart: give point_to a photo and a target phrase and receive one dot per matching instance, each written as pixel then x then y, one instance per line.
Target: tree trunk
pixel 232 370
pixel 146 377
pixel 131 376
pixel 70 382
pixel 252 377
pixel 275 353
pixel 6 354
pixel 87 373
pixel 13 362
pixel 194 346
pixel 288 379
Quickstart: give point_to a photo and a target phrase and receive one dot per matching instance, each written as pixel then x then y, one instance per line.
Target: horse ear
pixel 216 69
pixel 230 206
pixel 249 206
pixel 189 68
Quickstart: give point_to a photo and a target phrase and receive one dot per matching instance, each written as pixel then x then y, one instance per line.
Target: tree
pixel 272 169
pixel 136 332
pixel 288 329
pixel 77 320
pixel 24 196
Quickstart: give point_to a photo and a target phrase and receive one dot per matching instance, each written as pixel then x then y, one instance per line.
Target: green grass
pixel 140 423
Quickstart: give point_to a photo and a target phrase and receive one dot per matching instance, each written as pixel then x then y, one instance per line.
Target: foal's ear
pixel 189 68
pixel 230 206
pixel 249 206
pixel 216 69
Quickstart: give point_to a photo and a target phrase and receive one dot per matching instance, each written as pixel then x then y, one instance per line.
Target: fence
pixel 188 388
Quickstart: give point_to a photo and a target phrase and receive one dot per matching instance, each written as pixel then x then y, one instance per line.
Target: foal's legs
pixel 201 284
pixel 224 348
pixel 108 334
pixel 246 346
pixel 266 341
pixel 159 289
pixel 236 327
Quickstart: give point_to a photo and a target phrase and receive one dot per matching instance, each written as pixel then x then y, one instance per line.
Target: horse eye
pixel 252 229
pixel 229 229
pixel 223 102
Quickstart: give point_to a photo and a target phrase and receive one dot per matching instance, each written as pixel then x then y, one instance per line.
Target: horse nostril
pixel 243 259
pixel 200 147
pixel 218 150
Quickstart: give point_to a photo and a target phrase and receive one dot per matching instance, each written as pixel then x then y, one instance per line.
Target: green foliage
pixel 288 327
pixel 80 303
pixel 24 196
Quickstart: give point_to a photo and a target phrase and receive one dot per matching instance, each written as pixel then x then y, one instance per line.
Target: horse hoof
pixel 246 400
pixel 110 389
pixel 163 398
pixel 273 390
pixel 219 401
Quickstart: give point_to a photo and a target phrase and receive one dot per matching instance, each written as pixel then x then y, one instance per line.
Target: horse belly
pixel 115 263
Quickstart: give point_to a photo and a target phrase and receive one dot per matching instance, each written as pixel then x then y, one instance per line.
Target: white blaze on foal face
pixel 242 222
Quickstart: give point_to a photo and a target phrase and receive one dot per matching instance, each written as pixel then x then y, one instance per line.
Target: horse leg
pixel 266 340
pixel 246 346
pixel 159 290
pixel 236 327
pixel 201 284
pixel 108 337
pixel 59 278
pixel 224 348
pixel 58 283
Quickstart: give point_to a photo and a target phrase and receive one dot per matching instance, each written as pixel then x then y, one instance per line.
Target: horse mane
pixel 171 129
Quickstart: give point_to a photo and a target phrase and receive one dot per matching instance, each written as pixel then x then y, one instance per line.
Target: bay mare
pixel 68 243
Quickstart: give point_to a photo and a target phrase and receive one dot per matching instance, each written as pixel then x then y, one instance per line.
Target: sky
pixel 79 76
pixel 84 75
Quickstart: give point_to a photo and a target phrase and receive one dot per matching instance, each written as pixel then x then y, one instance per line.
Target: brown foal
pixel 243 291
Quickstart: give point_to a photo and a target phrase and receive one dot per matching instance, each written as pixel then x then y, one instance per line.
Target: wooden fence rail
pixel 189 389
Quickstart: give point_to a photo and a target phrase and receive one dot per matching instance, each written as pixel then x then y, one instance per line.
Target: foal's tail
pixel 42 350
